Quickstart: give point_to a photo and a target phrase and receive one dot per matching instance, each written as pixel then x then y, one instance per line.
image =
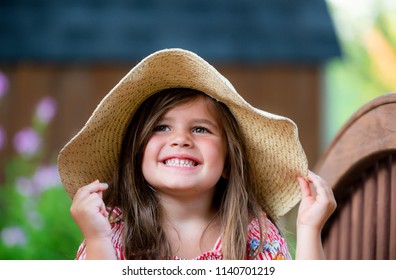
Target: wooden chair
pixel 360 166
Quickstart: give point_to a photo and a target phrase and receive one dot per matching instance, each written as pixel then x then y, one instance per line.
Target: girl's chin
pixel 183 189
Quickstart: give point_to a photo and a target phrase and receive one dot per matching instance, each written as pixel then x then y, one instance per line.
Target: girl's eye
pixel 201 129
pixel 161 127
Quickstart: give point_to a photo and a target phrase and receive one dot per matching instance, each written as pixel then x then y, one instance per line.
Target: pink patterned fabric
pixel 274 245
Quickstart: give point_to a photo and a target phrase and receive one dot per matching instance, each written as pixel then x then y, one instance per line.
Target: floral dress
pixel 274 245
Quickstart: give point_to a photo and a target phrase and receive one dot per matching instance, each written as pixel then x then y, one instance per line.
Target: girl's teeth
pixel 180 162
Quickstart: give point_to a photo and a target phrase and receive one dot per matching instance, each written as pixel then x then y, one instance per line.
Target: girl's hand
pixel 89 211
pixel 314 211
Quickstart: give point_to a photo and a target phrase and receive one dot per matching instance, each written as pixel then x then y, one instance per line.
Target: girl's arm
pixel 313 213
pixel 89 212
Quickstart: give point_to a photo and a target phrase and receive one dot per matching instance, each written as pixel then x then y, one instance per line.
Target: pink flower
pixel 46 109
pixel 12 236
pixel 27 142
pixel 25 186
pixel 46 177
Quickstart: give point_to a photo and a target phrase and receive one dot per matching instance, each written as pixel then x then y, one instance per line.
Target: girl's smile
pixel 187 150
pixel 181 161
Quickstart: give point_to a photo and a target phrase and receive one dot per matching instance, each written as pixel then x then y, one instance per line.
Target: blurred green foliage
pixel 35 221
pixel 51 235
pixel 367 68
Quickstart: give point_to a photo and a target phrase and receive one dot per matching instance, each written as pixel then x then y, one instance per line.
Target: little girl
pixel 174 164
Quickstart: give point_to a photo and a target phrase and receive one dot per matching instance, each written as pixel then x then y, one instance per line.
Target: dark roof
pixel 123 30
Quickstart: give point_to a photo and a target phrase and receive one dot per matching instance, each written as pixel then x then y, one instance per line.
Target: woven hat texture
pixel 273 148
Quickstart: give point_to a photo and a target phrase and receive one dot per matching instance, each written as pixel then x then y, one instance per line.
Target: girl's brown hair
pixel 143 236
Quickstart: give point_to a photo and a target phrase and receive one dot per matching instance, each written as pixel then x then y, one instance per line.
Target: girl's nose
pixel 181 139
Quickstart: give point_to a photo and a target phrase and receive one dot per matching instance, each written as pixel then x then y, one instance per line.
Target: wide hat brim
pixel 273 148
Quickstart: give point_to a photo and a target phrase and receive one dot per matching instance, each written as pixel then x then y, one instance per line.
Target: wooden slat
pixel 345 233
pixel 331 243
pixel 383 210
pixel 78 92
pixel 370 220
pixel 356 243
pixel 392 234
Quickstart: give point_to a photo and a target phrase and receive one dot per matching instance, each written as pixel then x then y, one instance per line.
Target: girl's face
pixel 186 152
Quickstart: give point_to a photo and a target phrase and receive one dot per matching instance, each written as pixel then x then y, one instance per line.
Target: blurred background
pixel 314 61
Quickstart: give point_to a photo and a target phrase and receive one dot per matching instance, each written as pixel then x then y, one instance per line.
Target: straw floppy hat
pixel 273 147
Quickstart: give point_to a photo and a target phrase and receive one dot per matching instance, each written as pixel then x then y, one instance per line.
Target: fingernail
pixel 105 185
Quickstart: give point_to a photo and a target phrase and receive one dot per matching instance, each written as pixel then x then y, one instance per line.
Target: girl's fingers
pixel 324 194
pixel 95 203
pixel 317 202
pixel 88 199
pixel 315 179
pixel 321 186
pixel 102 209
pixel 304 186
pixel 93 187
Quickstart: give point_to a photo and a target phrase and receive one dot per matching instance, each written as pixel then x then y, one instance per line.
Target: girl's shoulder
pixel 274 245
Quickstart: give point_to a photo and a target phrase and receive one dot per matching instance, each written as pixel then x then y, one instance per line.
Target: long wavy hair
pixel 235 195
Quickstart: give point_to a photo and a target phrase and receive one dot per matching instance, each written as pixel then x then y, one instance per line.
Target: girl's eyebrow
pixel 195 121
pixel 205 121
